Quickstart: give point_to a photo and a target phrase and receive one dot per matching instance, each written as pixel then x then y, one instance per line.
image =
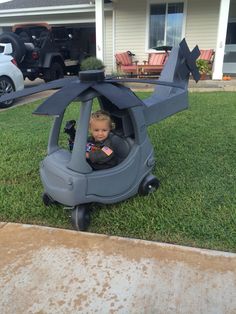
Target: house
pixel 137 25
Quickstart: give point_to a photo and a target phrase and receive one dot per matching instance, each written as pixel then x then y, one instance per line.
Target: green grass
pixel 196 164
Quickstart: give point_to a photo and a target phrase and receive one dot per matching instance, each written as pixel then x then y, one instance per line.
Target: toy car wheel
pixel 149 184
pixel 6 86
pixel 47 200
pixel 80 218
pixel 55 72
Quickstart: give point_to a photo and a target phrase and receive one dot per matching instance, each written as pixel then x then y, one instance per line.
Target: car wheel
pixel 80 218
pixel 18 46
pixel 149 184
pixel 55 72
pixel 6 86
pixel 31 77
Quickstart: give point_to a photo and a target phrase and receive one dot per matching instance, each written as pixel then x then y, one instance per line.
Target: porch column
pixel 99 12
pixel 221 37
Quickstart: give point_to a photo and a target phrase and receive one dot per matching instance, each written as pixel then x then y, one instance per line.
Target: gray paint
pixel 67 177
pixel 68 183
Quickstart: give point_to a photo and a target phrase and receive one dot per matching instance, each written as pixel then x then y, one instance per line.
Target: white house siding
pixel 130 27
pixel 108 42
pixel 202 23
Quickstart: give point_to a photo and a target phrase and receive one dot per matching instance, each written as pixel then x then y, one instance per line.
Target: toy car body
pixel 68 178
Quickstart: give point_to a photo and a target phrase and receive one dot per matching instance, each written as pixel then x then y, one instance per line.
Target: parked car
pixel 45 52
pixel 11 78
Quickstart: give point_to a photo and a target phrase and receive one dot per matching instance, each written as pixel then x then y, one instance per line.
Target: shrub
pixel 92 63
pixel 203 66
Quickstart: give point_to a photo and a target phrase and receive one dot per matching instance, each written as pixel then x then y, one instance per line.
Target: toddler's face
pixel 99 129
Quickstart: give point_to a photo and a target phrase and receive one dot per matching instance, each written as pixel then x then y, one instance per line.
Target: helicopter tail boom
pixel 168 100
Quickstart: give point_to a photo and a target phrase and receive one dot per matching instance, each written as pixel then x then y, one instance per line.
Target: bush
pixel 203 66
pixel 92 63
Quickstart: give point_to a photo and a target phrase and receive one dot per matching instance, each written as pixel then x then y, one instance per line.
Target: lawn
pixel 196 164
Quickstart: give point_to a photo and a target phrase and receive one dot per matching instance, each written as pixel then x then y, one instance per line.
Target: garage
pixel 50 52
pixel 84 34
pixel 77 16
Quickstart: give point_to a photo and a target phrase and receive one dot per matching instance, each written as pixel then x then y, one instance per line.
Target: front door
pixel 229 66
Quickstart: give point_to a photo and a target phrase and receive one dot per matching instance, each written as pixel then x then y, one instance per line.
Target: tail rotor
pixel 190 61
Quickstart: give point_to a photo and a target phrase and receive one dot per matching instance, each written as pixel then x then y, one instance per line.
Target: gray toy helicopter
pixel 66 176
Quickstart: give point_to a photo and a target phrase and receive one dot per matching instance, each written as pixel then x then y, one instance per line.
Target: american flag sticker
pixel 107 150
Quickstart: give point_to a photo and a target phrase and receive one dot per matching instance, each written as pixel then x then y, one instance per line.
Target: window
pixel 165 24
pixel 231 34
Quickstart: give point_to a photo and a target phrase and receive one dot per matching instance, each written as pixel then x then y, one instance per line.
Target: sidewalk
pixel 200 86
pixel 211 86
pixel 45 270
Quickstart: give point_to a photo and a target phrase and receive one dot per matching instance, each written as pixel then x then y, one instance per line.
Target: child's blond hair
pixel 101 115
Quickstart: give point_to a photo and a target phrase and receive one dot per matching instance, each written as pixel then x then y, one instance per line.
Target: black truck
pixel 46 52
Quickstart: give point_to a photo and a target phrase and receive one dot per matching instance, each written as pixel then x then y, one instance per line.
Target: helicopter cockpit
pixel 121 135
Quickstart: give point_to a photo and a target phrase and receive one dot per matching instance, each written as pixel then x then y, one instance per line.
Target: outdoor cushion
pixel 206 54
pixel 123 58
pixel 156 58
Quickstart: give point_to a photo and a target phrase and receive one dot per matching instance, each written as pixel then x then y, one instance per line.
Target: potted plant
pixel 203 68
pixel 92 63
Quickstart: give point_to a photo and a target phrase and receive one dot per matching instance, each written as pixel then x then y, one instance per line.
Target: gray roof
pixel 25 4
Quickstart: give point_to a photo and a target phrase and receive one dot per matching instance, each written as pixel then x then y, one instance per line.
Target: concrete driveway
pixel 46 270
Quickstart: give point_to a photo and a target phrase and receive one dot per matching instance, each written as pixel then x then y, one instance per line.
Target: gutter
pixel 83 8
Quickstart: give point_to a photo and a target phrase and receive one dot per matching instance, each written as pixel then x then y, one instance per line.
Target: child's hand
pixel 89 147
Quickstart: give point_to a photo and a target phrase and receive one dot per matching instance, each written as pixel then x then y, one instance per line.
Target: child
pixel 99 150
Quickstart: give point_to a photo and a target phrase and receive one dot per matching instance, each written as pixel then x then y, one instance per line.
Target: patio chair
pixel 125 63
pixel 155 63
pixel 207 54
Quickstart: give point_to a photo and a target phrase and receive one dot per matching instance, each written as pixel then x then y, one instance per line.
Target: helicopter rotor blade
pixel 120 96
pixel 57 103
pixel 37 89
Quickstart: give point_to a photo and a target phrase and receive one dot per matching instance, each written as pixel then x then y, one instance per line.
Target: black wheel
pixel 31 77
pixel 6 86
pixel 80 218
pixel 55 72
pixel 18 46
pixel 149 184
pixel 47 200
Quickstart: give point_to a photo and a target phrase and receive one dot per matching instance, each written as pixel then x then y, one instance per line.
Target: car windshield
pixel 32 31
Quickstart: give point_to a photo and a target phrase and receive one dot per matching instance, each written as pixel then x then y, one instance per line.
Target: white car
pixel 11 78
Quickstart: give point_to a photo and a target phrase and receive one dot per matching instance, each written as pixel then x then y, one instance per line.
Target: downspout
pixel 221 37
pixel 99 14
pixel 113 38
